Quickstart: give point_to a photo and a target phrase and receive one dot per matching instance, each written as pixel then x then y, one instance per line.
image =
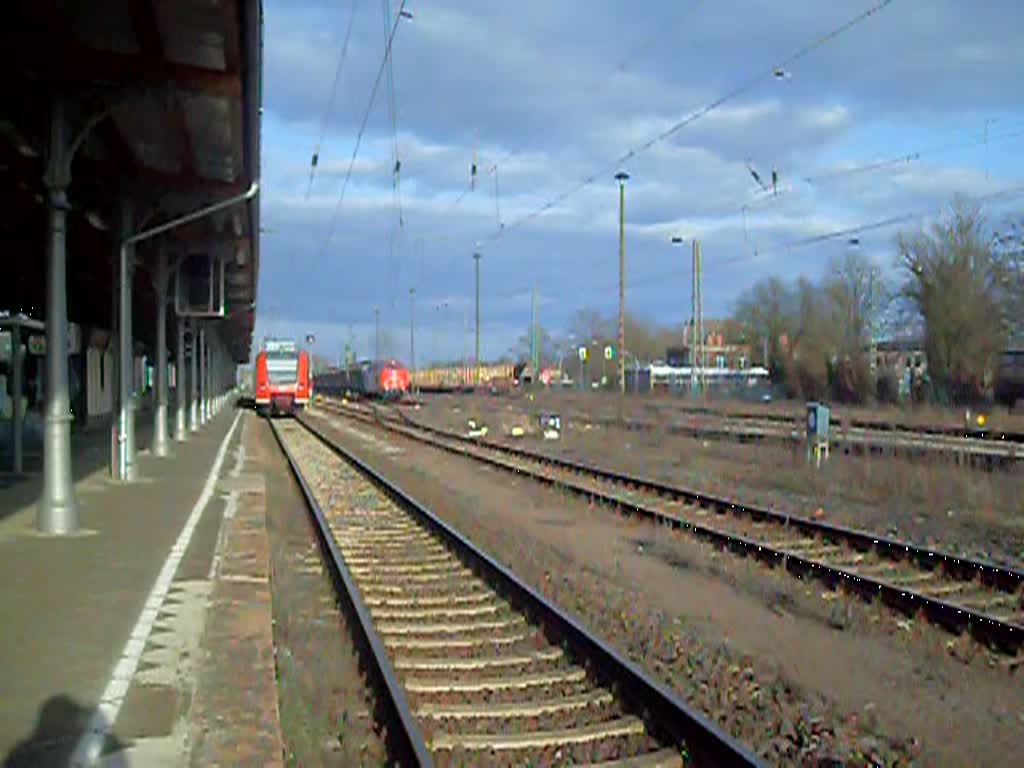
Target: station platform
pixel 144 639
pixel 90 450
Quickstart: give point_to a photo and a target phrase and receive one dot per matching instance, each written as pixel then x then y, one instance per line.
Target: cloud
pixel 554 93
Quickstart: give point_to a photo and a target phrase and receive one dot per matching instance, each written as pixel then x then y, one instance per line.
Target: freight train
pixel 1009 379
pixel 449 378
pixel 378 379
pixel 281 373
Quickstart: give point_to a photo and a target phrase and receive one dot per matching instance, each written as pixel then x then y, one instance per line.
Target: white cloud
pixel 537 87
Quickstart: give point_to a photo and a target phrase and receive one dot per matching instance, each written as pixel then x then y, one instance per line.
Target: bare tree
pixel 857 293
pixel 548 347
pixel 588 325
pixel 766 316
pixel 957 284
pixel 1008 249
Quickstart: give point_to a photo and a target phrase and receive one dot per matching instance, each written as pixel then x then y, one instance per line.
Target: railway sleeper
pixel 451 577
pixel 441 611
pixel 491 641
pixel 565 676
pixel 461 664
pixel 618 728
pixel 448 566
pixel 392 601
pixel 518 709
pixel 368 560
pixel 418 629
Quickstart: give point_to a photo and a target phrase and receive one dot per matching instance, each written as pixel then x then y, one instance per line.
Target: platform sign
pixel 583 354
pixel 609 352
pixel 199 286
pixel 36 344
pixel 284 346
pixel 310 339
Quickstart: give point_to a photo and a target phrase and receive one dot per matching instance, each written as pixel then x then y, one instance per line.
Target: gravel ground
pixel 393 560
pixel 958 509
pixel 883 415
pixel 776 661
pixel 324 702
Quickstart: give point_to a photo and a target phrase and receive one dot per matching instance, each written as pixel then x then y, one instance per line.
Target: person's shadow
pixel 61 723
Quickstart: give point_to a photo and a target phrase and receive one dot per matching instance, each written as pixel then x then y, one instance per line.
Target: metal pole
pixel 188 217
pixel 376 333
pixel 194 378
pixel 160 414
pixel 18 372
pixel 534 357
pixel 693 322
pixel 476 375
pixel 214 375
pixel 181 390
pixel 202 375
pixel 123 345
pixel 412 335
pixel 58 509
pixel 622 294
pixel 131 402
pixel 700 323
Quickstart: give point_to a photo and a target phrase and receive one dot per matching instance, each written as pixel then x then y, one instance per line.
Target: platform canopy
pixel 166 95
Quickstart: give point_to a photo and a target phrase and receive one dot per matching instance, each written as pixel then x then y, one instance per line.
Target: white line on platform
pixel 230 507
pixel 90 745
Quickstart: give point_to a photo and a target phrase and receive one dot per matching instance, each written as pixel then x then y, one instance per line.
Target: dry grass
pixel 650 405
pixel 931 501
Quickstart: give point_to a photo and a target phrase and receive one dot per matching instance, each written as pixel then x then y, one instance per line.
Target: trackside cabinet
pixel 817 431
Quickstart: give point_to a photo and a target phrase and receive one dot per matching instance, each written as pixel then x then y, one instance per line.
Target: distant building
pixel 903 359
pixel 896 355
pixel 718 353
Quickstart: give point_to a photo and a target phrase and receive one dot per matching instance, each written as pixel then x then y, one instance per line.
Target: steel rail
pixel 985 453
pixel 405 743
pixel 706 743
pixel 1005 636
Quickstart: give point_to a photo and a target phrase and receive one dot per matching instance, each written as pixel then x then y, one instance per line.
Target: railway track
pixel 957 593
pixel 474 667
pixel 868 425
pixel 995 450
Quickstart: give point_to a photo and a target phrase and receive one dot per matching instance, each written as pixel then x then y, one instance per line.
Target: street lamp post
pixel 621 177
pixel 376 333
pixel 476 260
pixel 412 335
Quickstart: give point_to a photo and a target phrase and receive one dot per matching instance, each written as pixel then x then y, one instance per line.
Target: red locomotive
pixel 385 379
pixel 282 378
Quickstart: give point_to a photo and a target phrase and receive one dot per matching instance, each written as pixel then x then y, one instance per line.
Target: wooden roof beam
pixel 82 67
pixel 151 44
pixel 232 52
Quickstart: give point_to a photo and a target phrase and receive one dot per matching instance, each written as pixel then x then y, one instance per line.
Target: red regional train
pixel 282 378
pixel 384 379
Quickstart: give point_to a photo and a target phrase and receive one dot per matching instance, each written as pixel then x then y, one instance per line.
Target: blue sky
pixel 555 93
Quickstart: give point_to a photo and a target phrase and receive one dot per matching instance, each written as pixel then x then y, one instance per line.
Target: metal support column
pixel 160 447
pixel 181 390
pixel 16 421
pixel 202 376
pixel 194 378
pixel 476 375
pixel 58 510
pixel 214 386
pixel 124 366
